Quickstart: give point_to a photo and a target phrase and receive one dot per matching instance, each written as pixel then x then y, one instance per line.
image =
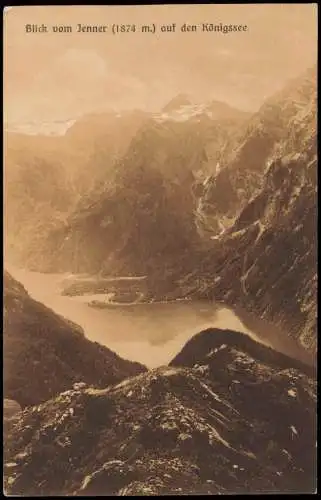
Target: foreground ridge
pixel 226 423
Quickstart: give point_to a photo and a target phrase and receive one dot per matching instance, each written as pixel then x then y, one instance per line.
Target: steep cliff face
pixel 265 261
pixel 229 416
pixel 282 120
pixel 45 354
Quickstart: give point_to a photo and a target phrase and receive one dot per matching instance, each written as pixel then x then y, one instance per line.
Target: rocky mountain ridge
pixel 190 428
pixel 278 128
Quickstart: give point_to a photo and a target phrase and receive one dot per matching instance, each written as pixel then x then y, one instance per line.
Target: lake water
pixel 149 333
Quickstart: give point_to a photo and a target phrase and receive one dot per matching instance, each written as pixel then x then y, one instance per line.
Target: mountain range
pixel 205 202
pixel 202 198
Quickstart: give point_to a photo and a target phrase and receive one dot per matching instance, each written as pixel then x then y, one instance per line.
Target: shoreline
pixel 106 305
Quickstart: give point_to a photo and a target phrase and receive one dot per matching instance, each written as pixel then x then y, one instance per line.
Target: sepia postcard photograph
pixel 160 250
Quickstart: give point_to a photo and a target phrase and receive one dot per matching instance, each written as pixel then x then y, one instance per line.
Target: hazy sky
pixel 51 76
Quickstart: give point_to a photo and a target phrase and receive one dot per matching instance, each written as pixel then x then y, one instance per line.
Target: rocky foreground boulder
pixel 228 416
pixel 10 411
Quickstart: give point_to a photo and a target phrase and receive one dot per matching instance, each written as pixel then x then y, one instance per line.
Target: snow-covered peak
pixel 184 113
pixel 54 128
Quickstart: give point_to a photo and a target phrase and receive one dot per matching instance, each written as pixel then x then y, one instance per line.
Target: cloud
pixel 52 76
pixel 77 82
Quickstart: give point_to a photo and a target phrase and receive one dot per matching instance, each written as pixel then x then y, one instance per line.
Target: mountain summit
pixel 178 101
